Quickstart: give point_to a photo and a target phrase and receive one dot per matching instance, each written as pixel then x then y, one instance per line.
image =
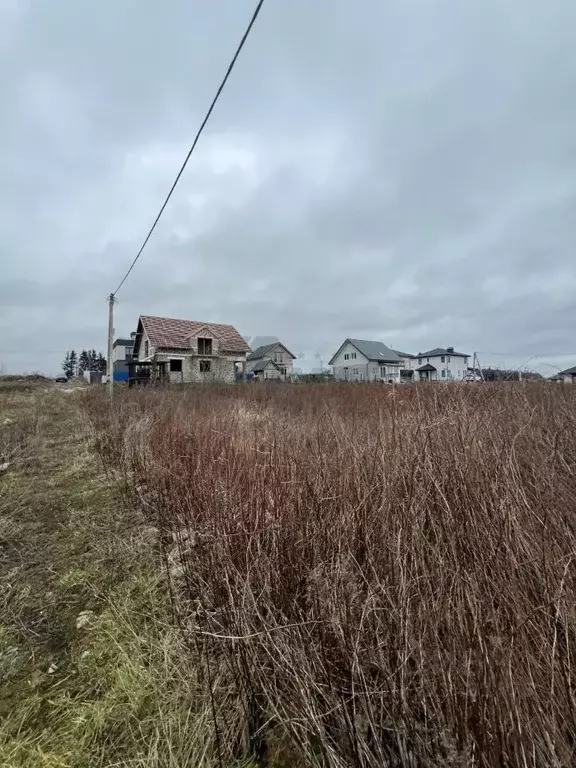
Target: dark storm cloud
pixel 403 172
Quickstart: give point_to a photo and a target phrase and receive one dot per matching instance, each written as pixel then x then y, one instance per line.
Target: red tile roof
pixel 171 333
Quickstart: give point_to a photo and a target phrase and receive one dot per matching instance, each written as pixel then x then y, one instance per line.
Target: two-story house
pixel 360 360
pixel 271 361
pixel 442 365
pixel 121 356
pixel 189 351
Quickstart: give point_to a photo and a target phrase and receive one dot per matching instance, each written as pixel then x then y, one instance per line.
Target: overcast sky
pixel 402 170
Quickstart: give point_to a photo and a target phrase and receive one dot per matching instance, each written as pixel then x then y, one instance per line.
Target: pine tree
pixel 101 364
pixel 68 366
pixel 93 360
pixel 73 364
pixel 83 362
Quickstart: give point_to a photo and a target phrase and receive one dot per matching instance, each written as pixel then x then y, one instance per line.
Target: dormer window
pixel 204 346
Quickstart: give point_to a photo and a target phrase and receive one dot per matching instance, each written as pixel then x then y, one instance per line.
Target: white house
pixel 359 360
pixel 442 365
pixel 409 365
pixel 121 356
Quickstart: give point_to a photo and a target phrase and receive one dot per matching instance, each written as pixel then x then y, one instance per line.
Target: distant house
pixel 442 365
pixel 360 360
pixel 409 365
pixel 121 356
pixel 271 361
pixel 188 350
pixel 569 375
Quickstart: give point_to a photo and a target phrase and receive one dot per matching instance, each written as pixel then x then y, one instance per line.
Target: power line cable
pixel 192 148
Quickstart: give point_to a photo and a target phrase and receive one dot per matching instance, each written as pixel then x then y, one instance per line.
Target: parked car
pixel 61 380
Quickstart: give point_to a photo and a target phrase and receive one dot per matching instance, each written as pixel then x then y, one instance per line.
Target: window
pixel 175 366
pixel 282 370
pixel 205 366
pixel 443 373
pixel 146 348
pixel 448 358
pixel 427 359
pixel 443 359
pixel 346 357
pixel 353 355
pixel 355 371
pixel 419 361
pixel 277 357
pixel 204 346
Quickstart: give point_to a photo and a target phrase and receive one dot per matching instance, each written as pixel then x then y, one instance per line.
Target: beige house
pixel 189 351
pixel 272 361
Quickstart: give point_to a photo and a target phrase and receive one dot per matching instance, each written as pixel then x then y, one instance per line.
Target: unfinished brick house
pixel 188 351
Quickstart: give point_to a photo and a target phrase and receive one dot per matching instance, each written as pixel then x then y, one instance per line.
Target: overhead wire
pixel 195 142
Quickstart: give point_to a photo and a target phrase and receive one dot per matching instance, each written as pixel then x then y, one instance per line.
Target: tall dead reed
pixel 377 577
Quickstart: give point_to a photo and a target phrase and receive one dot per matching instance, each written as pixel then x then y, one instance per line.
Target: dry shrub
pixel 387 576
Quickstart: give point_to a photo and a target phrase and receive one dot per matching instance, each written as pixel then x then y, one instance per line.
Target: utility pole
pixel 110 366
pixel 476 367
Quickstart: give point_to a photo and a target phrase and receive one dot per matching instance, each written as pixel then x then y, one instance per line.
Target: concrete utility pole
pixel 110 366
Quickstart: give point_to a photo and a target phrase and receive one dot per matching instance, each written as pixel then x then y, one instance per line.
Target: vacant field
pixel 366 576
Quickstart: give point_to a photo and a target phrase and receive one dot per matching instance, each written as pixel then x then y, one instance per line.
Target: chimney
pixel 450 349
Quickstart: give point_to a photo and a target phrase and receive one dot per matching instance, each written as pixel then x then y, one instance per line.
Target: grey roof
pixel 568 371
pixel 123 343
pixel 424 368
pixel 404 354
pixel 375 350
pixel 262 352
pixel 438 352
pixel 257 366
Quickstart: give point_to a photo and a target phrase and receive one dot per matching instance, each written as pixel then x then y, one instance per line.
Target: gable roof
pixel 568 371
pixel 424 368
pixel 404 354
pixel 373 350
pixel 263 351
pixel 439 351
pixel 257 366
pixel 175 334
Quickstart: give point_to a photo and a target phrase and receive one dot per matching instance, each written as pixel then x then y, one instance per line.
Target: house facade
pixel 188 351
pixel 271 361
pixel 361 360
pixel 409 364
pixel 442 365
pixel 122 355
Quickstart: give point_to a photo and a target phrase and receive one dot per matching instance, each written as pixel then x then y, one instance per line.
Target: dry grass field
pixel 367 576
pixel 324 575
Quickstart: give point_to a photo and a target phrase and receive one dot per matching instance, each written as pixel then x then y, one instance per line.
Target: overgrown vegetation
pixel 366 576
pixel 314 576
pixel 93 672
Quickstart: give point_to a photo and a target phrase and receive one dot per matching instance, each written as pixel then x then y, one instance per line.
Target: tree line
pixel 88 360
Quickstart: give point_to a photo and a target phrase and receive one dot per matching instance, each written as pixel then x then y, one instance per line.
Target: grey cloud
pixel 404 172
